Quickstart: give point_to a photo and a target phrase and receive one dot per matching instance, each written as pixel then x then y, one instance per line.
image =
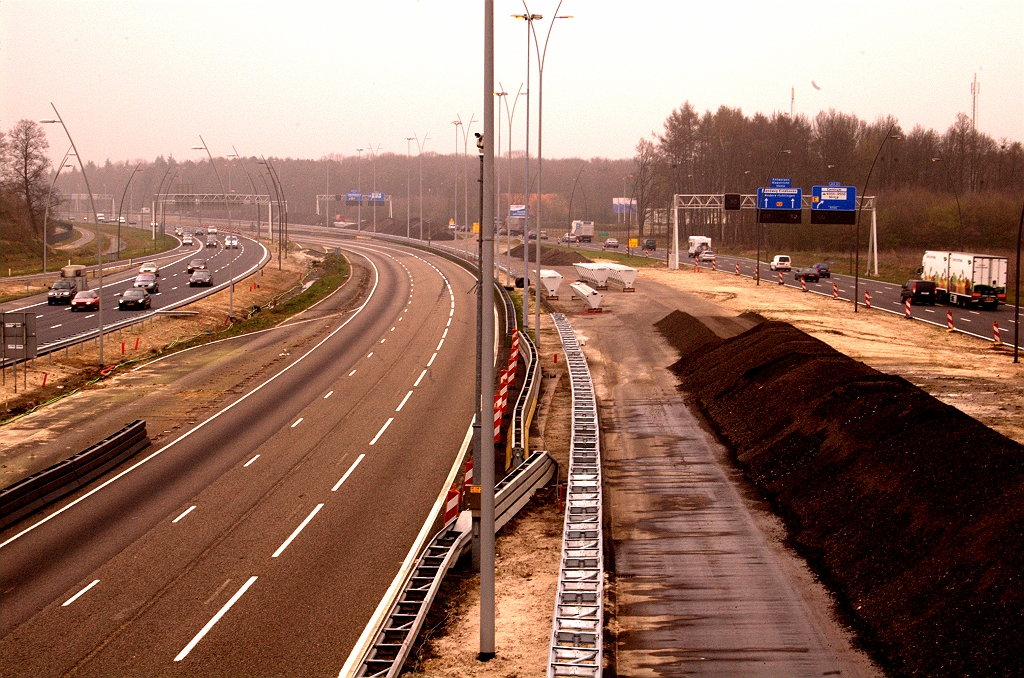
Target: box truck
pixel 698 243
pixel 966 279
pixel 583 231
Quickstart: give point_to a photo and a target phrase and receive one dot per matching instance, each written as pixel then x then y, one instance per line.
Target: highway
pixel 58 322
pixel 261 537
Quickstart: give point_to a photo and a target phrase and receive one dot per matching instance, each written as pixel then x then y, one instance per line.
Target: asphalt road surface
pixel 261 538
pixel 58 322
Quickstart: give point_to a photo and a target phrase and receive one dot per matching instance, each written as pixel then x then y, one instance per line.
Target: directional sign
pixel 780 183
pixel 353 197
pixel 517 211
pixel 376 196
pixel 779 198
pixel 18 338
pixel 834 198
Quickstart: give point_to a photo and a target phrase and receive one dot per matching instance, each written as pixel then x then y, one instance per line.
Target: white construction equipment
pixel 594 274
pixel 623 275
pixel 587 294
pixel 550 280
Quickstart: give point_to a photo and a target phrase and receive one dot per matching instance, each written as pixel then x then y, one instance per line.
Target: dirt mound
pixel 550 256
pixel 908 509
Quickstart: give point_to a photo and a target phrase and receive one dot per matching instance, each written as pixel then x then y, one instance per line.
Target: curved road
pixel 259 540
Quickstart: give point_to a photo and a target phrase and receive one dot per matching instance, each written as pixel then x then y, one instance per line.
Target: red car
pixel 86 300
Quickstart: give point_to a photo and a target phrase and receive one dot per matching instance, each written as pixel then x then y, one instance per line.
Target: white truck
pixel 583 231
pixel 698 243
pixel 966 279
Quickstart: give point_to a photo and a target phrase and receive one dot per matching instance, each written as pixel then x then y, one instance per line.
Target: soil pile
pixel 909 510
pixel 550 256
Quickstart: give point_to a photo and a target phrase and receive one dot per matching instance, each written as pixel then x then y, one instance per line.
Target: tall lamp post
pixel 757 262
pixel 529 19
pixel 138 168
pixel 956 194
pixel 252 185
pixel 465 171
pixel 1016 310
pixel 510 114
pixel 282 210
pixel 220 183
pixel 373 152
pixel 456 124
pixel 408 183
pixel 92 205
pixel 541 58
pixel 359 187
pixel 864 193
pixel 419 156
pixel 49 197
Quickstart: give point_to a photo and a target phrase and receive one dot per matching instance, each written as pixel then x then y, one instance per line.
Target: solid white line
pixel 184 513
pixel 246 464
pixel 439 344
pixel 205 422
pixel 431 361
pixel 404 401
pixel 420 378
pixel 80 593
pixel 297 422
pixel 216 618
pixel 298 529
pixel 330 393
pixel 348 473
pixel 382 429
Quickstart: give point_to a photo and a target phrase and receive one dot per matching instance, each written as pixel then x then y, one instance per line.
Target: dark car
pixel 211 241
pixel 823 270
pixel 134 298
pixel 88 300
pixel 650 245
pixel 806 274
pixel 146 281
pixel 61 292
pixel 919 292
pixel 201 278
pixel 196 265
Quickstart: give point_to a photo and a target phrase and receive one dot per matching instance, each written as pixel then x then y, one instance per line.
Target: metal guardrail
pixel 63 478
pixel 576 642
pixel 394 640
pixel 526 403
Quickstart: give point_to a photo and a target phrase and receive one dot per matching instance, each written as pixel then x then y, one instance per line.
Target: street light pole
pixel 864 194
pixel 1016 310
pixel 227 203
pixel 419 155
pixel 465 172
pixel 529 19
pixel 757 261
pixel 956 194
pixel 138 168
pixel 510 114
pixel 92 205
pixel 373 152
pixel 408 181
pixel 49 197
pixel 456 124
pixel 252 185
pixel 359 187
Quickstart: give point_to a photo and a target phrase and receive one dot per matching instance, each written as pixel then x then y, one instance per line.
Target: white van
pixel 781 262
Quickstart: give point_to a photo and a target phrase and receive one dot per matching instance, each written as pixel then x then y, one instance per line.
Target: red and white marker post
pixel 803 285
pixel 906 310
pixel 949 321
pixel 867 299
pixel 780 278
pixel 835 290
pixel 737 268
pixel 451 504
pixel 997 341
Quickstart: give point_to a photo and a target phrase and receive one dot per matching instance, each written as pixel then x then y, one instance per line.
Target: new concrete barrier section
pixel 47 486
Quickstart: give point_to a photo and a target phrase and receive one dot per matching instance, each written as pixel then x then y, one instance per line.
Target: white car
pixel 187 240
pixel 611 242
pixel 706 256
pixel 231 241
pixel 212 230
pixel 781 262
pixel 150 267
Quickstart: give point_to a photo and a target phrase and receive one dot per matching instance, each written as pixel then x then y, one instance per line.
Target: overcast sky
pixel 136 79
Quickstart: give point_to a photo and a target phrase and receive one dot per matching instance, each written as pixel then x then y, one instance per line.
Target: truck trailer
pixel 698 243
pixel 966 279
pixel 583 231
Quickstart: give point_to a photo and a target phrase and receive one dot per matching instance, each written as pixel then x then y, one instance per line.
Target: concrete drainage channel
pixel 576 648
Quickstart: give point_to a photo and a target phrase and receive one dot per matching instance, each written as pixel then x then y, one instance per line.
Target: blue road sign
pixel 376 196
pixel 780 198
pixel 780 183
pixel 842 198
pixel 517 210
pixel 353 196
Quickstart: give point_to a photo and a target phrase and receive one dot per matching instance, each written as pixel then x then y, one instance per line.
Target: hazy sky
pixel 136 79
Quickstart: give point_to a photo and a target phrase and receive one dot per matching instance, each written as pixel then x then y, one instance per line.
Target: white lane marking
pixel 173 288
pixel 246 464
pixel 404 401
pixel 352 372
pixel 184 513
pixel 449 323
pixel 217 592
pixel 420 378
pixel 53 327
pixel 439 344
pixel 330 393
pixel 928 310
pixel 348 473
pixel 80 593
pixel 297 422
pixel 431 361
pixel 382 429
pixel 139 463
pixel 39 316
pixel 445 333
pixel 450 314
pixel 383 340
pixel 298 529
pixel 369 354
pixel 966 320
pixel 91 315
pixel 399 320
pixel 216 618
pixel 393 329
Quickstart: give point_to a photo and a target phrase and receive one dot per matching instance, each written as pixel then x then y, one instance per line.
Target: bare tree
pixel 643 181
pixel 25 169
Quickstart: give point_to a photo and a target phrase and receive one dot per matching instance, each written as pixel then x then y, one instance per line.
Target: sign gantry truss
pixel 213 199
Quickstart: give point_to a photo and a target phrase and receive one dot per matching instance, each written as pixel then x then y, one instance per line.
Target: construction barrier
pixel 714 265
pixel 906 310
pixel 451 504
pixel 995 334
pixel 781 282
pixel 949 321
pixel 835 290
pixel 803 285
pixel 737 268
pixel 867 299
